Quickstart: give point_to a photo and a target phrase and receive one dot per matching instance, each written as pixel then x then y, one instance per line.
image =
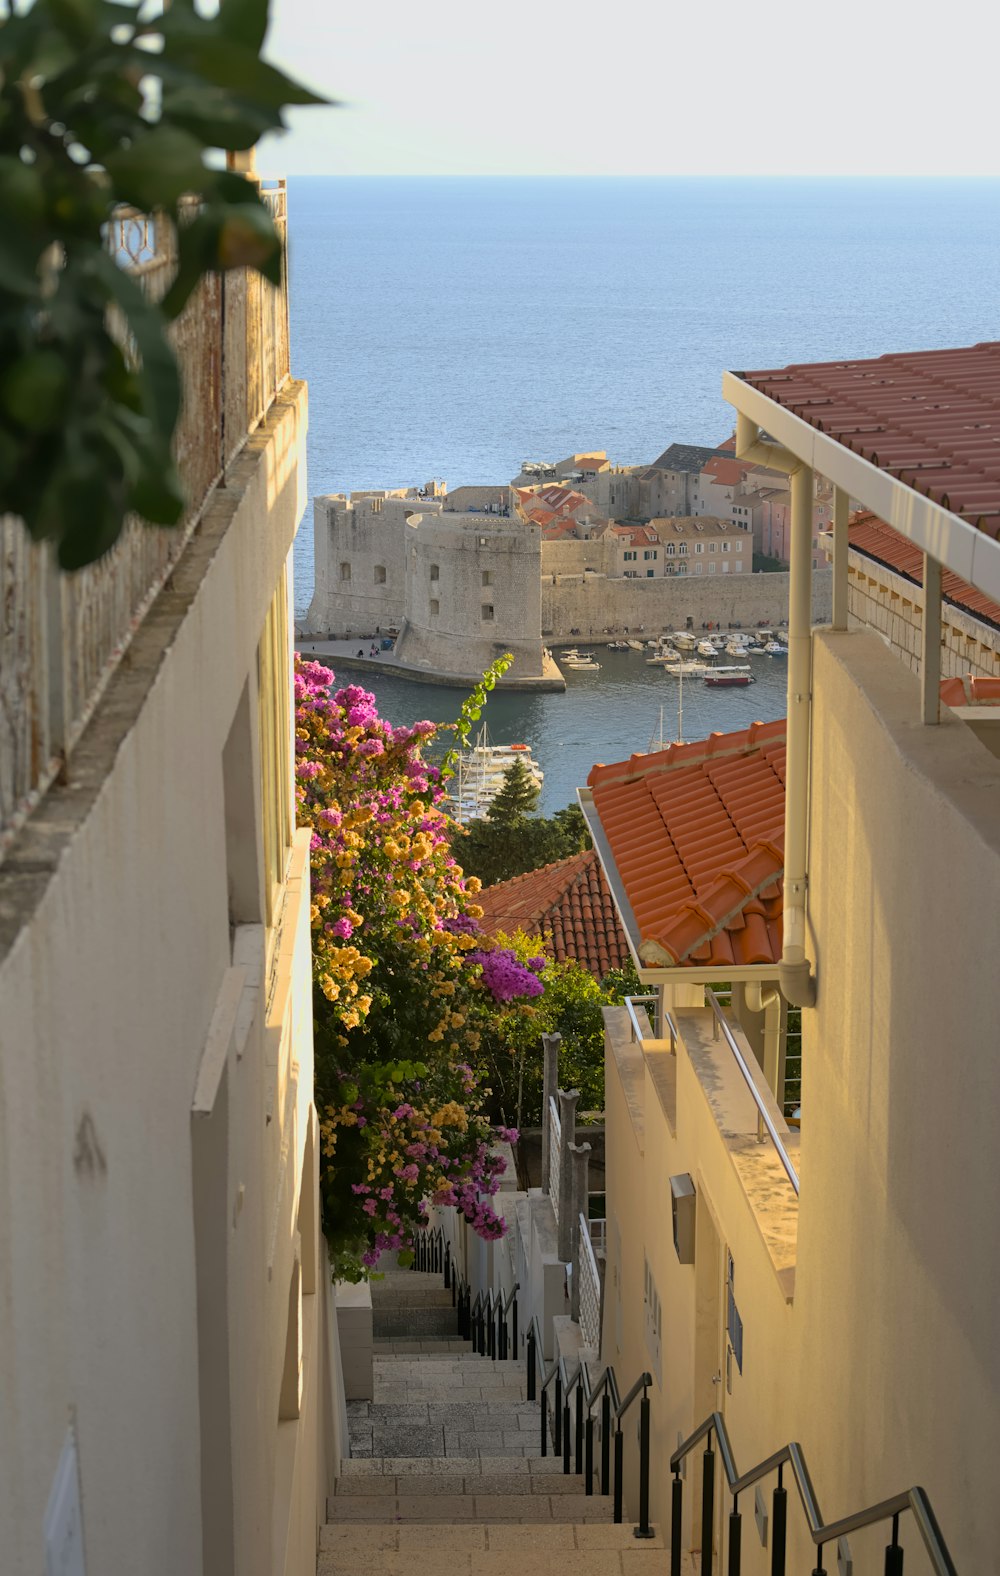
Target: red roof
pixel 568 902
pixel 930 418
pixel 728 473
pixel 971 690
pixel 869 535
pixel 696 833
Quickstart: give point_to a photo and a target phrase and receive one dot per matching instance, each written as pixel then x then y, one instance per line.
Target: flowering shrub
pixel 401 984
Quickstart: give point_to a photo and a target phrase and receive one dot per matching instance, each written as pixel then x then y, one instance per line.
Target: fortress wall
pixel 366 536
pixel 591 603
pixel 473 590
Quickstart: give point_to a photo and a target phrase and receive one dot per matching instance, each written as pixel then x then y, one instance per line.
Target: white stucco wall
pixel 868 1308
pixel 117 998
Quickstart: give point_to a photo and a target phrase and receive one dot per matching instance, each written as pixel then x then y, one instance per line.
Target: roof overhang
pixel 678 973
pixel 948 538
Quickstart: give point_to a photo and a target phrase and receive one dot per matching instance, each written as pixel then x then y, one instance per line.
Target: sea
pixel 451 328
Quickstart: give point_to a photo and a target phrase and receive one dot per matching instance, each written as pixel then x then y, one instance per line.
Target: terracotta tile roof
pixel 696 833
pixel 869 535
pixel 570 902
pixel 930 418
pixel 971 690
pixel 727 472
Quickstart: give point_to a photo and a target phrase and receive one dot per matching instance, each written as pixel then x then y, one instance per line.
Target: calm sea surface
pixel 452 328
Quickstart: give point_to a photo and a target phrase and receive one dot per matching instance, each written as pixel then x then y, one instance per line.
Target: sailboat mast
pixel 680 708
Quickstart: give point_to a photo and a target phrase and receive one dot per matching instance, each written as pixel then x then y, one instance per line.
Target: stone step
pixel 403 1477
pixel 448 1466
pixel 430 1502
pixel 387 1346
pixel 486 1549
pixel 407 1294
pixel 415 1324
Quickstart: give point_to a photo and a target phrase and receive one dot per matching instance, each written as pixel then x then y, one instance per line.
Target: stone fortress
pixel 457 578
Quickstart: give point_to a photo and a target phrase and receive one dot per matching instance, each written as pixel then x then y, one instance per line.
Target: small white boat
pixel 774 648
pixel 635 645
pixel 582 665
pixel 737 646
pixel 684 640
pixel 705 648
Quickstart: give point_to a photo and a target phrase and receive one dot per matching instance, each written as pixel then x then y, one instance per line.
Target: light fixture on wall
pixel 682 1203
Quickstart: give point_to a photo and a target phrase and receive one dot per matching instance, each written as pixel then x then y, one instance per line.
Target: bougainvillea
pixel 401 982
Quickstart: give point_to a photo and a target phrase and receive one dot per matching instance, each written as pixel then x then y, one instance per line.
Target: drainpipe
pixel 795 976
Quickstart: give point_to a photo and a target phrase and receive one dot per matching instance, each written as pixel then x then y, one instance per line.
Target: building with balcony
pixel 812 1304
pixel 168 1387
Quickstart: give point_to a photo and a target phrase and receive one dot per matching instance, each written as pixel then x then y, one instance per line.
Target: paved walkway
pixel 446 1465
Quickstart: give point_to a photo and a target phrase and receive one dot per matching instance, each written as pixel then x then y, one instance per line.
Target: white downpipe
pixel 794 972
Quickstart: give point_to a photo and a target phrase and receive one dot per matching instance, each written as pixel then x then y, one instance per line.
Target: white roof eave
pixel 956 544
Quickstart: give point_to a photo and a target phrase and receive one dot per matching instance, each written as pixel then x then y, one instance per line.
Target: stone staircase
pixel 446 1465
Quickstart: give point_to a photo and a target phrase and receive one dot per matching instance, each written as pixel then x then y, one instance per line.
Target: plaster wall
pixel 148 1254
pixel 592 603
pixel 867 1308
pixel 458 566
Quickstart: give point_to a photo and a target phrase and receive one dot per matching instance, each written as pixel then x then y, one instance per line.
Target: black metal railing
pixel 822 1533
pixel 573 1423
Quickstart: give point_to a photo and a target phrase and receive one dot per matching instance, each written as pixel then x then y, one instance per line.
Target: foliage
pixel 106 104
pixel 510 1055
pixel 472 710
pixel 400 992
pixel 511 840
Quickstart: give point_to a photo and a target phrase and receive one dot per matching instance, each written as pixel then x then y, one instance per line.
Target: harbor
pixel 604 714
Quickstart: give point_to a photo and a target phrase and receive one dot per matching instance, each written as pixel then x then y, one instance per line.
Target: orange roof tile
pixel 869 535
pixel 928 418
pixel 570 903
pixel 696 834
pixel 972 689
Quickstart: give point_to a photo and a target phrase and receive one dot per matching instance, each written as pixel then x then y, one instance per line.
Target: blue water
pixel 453 327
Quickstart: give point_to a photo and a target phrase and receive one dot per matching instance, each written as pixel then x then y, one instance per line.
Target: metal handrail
pixel 914 1499
pixel 630 1002
pixel 510 1298
pixel 569 1384
pixel 607 1382
pixel 642 1383
pixel 764 1115
pixel 534 1329
pixel 665 1018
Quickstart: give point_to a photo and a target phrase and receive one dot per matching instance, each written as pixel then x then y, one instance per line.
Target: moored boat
pixel 729 678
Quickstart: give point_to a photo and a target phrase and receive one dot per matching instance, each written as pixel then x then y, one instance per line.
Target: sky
pixel 641 87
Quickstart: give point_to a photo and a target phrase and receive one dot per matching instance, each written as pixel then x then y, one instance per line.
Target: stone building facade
pixel 472 591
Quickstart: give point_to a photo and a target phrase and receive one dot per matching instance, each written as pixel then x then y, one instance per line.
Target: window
pixel 487 613
pixel 380 574
pixel 435 572
pixel 698 546
pixel 487 577
pixel 345 571
pixel 739 568
pixel 725 569
pixel 711 567
pixel 683 547
pixel 435 607
pixel 725 547
pixel 697 569
pixel 649 553
pixel 711 547
pixel 629 556
pixel 669 549
pixel 482 541
pixel 650 573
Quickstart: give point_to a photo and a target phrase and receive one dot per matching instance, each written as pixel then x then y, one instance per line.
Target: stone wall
pixel 359 563
pixel 591 603
pixel 472 592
